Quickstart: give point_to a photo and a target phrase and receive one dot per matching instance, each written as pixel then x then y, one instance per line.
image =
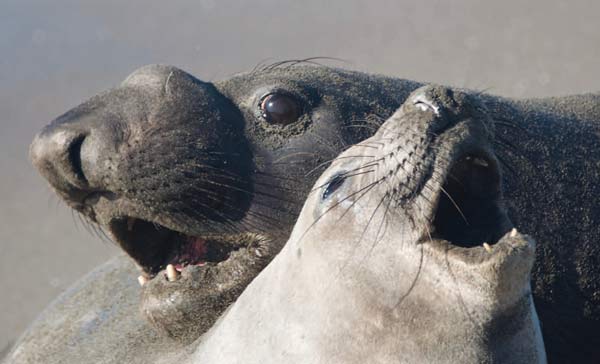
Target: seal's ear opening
pixel 469 211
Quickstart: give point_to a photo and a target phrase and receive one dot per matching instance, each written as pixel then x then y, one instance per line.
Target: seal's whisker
pixel 75 221
pixel 420 265
pixel 242 190
pixel 366 145
pixel 505 165
pixel 87 225
pixel 371 218
pixel 95 229
pixel 343 267
pixel 278 160
pixel 328 143
pixel 455 204
pixel 459 294
pixel 415 279
pixel 377 239
pixel 506 144
pixel 358 126
pixel 274 186
pixel 333 159
pixel 509 147
pixel 99 232
pixel 499 120
pixel 269 175
pixel 294 62
pixel 260 64
pixel 225 223
pixel 348 174
pixel 208 192
pixel 355 201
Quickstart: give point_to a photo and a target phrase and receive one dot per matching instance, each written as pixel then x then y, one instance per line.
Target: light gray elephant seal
pixel 135 157
pixel 372 275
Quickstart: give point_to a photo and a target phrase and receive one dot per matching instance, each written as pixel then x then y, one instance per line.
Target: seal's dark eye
pixel 333 185
pixel 279 109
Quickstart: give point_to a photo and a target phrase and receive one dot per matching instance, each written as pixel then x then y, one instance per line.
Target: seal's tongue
pixel 194 252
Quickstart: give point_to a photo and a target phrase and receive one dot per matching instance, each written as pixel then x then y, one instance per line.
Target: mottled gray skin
pixel 362 281
pixel 550 183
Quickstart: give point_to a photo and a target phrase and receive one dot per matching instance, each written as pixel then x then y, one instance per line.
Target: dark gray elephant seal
pixel 179 170
pixel 371 273
pixel 191 174
pixel 550 192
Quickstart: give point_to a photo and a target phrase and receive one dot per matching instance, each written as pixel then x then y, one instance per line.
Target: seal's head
pixel 404 253
pixel 200 180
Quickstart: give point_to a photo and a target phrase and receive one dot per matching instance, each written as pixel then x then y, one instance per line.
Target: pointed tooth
pixel 142 280
pixel 513 233
pixel 480 162
pixel 130 223
pixel 487 247
pixel 258 253
pixel 171 273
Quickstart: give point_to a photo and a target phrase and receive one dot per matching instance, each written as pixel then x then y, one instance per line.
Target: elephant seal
pixel 292 119
pixel 180 175
pixel 373 272
pixel 208 176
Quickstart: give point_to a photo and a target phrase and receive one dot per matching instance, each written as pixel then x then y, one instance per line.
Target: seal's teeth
pixel 513 233
pixel 171 273
pixel 480 162
pixel 487 247
pixel 130 223
pixel 142 280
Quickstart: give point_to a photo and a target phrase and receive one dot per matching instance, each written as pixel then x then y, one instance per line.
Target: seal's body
pixel 182 172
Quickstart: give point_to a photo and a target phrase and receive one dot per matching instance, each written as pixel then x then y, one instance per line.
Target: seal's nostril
pixel 74 154
pixel 425 104
pixel 56 153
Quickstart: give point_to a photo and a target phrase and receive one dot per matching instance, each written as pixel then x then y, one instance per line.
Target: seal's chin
pixel 469 212
pixel 155 247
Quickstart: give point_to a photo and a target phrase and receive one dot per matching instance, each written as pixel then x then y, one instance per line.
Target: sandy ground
pixel 55 54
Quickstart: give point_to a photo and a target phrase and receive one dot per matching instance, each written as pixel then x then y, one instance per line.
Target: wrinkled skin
pixel 375 279
pixel 550 192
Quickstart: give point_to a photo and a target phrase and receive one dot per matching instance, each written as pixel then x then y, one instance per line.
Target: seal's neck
pixel 288 315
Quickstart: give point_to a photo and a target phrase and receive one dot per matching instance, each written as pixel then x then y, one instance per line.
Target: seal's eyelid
pixel 333 185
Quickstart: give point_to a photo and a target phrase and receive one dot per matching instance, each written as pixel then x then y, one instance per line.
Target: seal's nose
pixel 440 102
pixel 56 153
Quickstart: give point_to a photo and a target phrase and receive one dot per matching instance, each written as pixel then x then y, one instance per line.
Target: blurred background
pixel 55 54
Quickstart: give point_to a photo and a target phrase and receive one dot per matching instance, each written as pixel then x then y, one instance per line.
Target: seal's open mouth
pixel 469 211
pixel 189 280
pixel 154 246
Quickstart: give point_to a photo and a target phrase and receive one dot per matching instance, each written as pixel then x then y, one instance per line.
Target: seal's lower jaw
pixel 469 215
pixel 188 281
